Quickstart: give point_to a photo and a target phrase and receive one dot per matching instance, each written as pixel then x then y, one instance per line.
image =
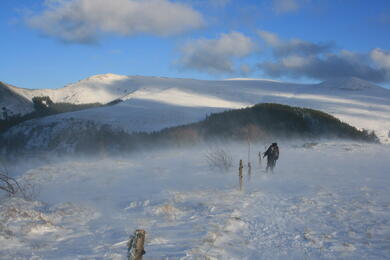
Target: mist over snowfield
pixel 325 201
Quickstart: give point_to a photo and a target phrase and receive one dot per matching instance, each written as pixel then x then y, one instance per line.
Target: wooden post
pixel 249 169
pixel 249 150
pixel 135 245
pixel 259 158
pixel 240 173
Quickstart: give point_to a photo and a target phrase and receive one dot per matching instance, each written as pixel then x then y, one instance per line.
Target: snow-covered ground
pixel 324 201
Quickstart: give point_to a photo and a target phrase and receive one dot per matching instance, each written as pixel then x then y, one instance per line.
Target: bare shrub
pixel 12 187
pixel 9 184
pixel 219 159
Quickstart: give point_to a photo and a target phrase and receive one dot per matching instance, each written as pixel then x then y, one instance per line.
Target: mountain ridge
pixel 349 83
pixel 104 88
pixel 151 103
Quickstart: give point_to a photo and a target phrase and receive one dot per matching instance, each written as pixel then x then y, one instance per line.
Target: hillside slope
pixel 95 89
pixel 266 122
pixel 153 103
pixel 12 102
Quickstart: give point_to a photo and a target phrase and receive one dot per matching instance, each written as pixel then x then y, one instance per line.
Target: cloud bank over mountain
pixel 294 58
pixel 298 58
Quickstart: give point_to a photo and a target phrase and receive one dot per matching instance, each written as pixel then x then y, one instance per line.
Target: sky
pixel 52 43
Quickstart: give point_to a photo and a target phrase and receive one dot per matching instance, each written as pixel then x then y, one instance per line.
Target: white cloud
pixel 85 21
pixel 270 38
pixel 215 55
pixel 294 61
pixel 381 58
pixel 293 46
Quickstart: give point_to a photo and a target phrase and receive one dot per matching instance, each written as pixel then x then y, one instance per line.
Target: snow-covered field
pixel 324 201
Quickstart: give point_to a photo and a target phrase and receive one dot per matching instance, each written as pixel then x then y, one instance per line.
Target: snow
pixel 262 79
pixel 348 83
pixel 154 103
pixel 326 200
pixel 177 97
pixel 12 102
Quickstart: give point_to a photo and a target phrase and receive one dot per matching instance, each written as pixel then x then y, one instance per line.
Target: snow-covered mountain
pixel 95 89
pixel 348 83
pixel 12 102
pixel 153 103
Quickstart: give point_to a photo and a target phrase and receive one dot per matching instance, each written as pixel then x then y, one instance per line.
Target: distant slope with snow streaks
pixel 153 103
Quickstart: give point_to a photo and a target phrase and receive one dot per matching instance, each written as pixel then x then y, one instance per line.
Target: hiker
pixel 272 154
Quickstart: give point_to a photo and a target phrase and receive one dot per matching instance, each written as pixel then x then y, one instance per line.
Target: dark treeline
pixel 43 106
pixel 267 121
pixel 262 122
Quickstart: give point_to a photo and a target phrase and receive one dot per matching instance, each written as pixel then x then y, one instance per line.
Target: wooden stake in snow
pixel 249 169
pixel 259 158
pixel 240 173
pixel 135 245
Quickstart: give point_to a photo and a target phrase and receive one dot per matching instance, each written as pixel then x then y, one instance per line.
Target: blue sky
pixel 51 43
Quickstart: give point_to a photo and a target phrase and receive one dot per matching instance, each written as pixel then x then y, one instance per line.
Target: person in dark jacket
pixel 272 154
